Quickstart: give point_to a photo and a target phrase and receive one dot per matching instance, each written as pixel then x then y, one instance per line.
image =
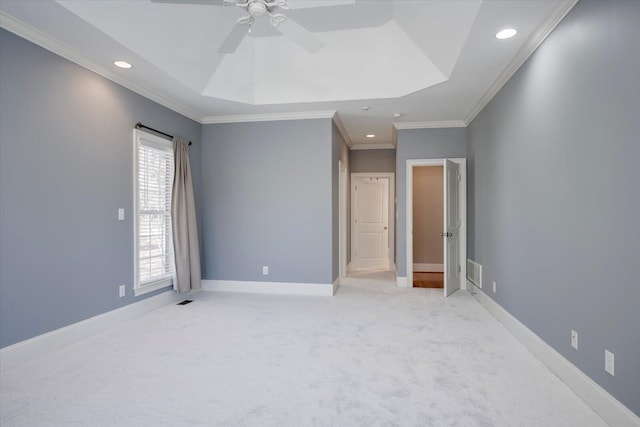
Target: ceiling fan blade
pixel 231 43
pixel 207 2
pixel 299 35
pixel 304 4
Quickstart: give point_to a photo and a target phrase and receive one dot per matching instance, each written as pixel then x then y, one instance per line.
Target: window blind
pixel 155 178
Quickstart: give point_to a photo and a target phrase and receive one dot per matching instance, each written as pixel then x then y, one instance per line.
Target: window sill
pixel 153 286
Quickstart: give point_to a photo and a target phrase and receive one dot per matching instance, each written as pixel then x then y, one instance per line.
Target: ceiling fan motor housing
pixel 258 9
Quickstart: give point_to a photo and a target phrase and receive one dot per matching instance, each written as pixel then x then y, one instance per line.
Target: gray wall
pixel 421 144
pixel 428 215
pixel 554 192
pixel 66 166
pixel 372 160
pixel 267 191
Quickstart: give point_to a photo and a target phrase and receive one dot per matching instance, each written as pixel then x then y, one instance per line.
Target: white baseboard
pixel 276 288
pixel 27 350
pixel 403 282
pixel 604 404
pixel 431 268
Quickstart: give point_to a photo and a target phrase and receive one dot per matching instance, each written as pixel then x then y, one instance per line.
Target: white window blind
pixel 154 248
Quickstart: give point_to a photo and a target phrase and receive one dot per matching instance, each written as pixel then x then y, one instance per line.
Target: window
pixel 153 174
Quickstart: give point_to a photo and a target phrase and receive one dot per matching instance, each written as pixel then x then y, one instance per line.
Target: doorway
pixel 372 221
pixel 453 234
pixel 428 218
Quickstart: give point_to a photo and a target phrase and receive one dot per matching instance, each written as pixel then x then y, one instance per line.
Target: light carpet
pixel 373 355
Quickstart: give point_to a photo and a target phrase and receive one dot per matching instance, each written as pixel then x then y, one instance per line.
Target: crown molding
pixel 343 130
pixel 430 125
pixel 269 117
pixel 525 52
pixel 387 146
pixel 29 33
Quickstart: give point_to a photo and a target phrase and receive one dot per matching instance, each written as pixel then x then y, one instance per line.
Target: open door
pixel 452 225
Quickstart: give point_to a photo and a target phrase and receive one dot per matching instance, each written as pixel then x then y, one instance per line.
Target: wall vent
pixel 474 272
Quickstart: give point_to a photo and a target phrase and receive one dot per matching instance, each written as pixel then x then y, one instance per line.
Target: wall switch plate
pixel 121 291
pixel 494 287
pixel 265 270
pixel 574 339
pixel 121 214
pixel 608 362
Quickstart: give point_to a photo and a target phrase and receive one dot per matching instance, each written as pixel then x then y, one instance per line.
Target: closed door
pixel 452 225
pixel 371 223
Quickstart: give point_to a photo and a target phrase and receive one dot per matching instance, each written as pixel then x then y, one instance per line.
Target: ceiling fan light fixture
pixel 507 33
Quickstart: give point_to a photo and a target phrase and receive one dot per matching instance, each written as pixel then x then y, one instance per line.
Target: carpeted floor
pixel 428 280
pixel 373 355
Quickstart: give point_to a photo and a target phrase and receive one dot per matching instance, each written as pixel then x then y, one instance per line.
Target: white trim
pixel 336 285
pixel 462 204
pixel 431 125
pixel 343 130
pixel 373 147
pixel 403 282
pixel 28 350
pixel 608 407
pixel 343 191
pixel 29 33
pixel 243 118
pixel 431 268
pixel 536 39
pixel 391 215
pixel 274 288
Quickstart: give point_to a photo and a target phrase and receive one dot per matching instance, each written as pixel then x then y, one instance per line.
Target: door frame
pixel 462 206
pixel 342 219
pixel 391 208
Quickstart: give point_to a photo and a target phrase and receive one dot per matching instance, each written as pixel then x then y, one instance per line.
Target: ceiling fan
pixel 257 9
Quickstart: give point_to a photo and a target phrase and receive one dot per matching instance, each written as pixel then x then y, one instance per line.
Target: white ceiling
pixel 435 61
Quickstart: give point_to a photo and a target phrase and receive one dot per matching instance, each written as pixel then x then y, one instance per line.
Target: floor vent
pixel 185 302
pixel 474 273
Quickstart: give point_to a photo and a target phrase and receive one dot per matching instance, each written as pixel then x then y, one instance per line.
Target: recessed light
pixel 122 64
pixel 397 115
pixel 371 135
pixel 507 33
pixel 365 108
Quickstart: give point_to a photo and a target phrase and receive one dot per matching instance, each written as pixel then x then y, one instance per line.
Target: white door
pixel 452 228
pixel 371 223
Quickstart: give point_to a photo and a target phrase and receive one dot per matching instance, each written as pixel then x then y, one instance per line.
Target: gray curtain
pixel 183 216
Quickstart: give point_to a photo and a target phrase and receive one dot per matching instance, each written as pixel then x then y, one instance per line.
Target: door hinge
pixel 459 178
pixel 459 223
pixel 459 268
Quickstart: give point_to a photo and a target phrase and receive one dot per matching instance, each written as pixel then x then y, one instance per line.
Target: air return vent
pixel 474 272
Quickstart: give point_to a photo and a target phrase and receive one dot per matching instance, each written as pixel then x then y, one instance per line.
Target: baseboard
pixel 431 268
pixel 604 404
pixel 27 350
pixel 336 285
pixel 403 282
pixel 275 288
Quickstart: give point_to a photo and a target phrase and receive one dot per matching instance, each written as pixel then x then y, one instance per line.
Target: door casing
pixel 462 206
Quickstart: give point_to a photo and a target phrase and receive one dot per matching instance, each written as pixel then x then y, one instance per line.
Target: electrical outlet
pixel 574 339
pixel 608 362
pixel 120 214
pixel 494 287
pixel 121 290
pixel 265 270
